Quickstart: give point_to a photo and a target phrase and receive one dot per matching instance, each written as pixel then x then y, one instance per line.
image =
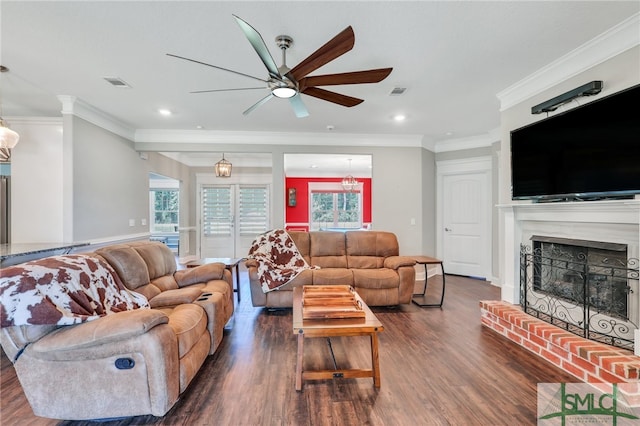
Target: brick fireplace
pixel 588 361
pixel 611 222
pixel 592 273
pixel 582 286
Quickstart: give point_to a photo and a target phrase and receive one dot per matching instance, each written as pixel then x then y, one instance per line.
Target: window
pixel 165 207
pixel 217 216
pixel 335 208
pixel 252 206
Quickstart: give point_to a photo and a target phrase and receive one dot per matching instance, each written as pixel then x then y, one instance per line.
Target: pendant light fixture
pixel 8 138
pixel 223 168
pixel 349 183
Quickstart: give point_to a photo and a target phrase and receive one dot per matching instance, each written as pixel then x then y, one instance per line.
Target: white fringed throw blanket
pixel 279 260
pixel 63 290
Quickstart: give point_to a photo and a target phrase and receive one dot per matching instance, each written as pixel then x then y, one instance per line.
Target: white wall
pixel 36 181
pixel 398 195
pixel 428 203
pixel 83 185
pixel 93 182
pixel 110 185
pixel 617 73
pixel 165 166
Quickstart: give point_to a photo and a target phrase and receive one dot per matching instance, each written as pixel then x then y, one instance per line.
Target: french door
pixel 231 216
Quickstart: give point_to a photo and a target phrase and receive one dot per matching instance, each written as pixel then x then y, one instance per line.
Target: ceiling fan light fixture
pixel 286 83
pixel 284 92
pixel 223 168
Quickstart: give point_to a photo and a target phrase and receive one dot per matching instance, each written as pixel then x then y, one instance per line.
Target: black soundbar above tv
pixel 589 152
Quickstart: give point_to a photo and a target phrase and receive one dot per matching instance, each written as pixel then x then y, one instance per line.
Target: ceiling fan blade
pixel 334 97
pixel 227 90
pixel 257 104
pixel 260 47
pixel 356 77
pixel 298 106
pixel 337 46
pixel 217 67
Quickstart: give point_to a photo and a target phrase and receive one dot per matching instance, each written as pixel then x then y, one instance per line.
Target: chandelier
pixel 349 183
pixel 223 168
pixel 8 138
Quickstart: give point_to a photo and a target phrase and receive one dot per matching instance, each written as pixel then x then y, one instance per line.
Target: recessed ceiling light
pixel 449 134
pixel 199 127
pixel 314 166
pixel 164 112
pixel 399 117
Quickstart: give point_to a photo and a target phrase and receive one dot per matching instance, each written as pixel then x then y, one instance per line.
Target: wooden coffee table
pixel 368 325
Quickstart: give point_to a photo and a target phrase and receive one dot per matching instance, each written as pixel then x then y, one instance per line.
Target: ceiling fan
pixel 287 83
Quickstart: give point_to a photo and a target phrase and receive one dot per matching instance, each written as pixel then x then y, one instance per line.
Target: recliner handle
pixel 125 363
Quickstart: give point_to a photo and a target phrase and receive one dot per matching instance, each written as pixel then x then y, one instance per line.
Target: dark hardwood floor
pixel 439 367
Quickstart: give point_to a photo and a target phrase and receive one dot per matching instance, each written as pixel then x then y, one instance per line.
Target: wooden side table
pixel 230 263
pixel 420 299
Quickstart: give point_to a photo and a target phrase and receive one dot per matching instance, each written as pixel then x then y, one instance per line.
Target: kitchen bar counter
pixel 14 253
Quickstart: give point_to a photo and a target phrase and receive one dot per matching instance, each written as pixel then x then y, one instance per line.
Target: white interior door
pixel 465 219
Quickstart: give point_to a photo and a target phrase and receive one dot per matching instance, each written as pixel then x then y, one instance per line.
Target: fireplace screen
pixel 582 286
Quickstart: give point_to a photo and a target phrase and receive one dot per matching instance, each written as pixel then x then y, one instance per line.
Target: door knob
pixel 447 229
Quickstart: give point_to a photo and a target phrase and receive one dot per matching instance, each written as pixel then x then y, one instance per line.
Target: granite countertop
pixel 25 249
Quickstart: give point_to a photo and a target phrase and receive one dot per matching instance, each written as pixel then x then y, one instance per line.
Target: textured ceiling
pixel 452 57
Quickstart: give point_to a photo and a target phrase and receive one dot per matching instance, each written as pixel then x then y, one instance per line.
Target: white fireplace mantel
pixel 609 220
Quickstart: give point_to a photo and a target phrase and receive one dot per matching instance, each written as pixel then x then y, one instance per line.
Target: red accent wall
pixel 300 213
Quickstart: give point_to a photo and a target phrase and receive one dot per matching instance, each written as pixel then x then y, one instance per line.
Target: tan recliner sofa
pixel 130 363
pixel 367 260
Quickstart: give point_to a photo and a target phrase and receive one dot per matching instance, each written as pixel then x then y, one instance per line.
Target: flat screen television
pixel 587 153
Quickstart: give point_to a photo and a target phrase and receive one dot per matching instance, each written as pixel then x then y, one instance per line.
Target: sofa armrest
pixel 249 263
pixel 175 297
pixel 199 274
pixel 130 367
pixel 104 330
pixel 395 262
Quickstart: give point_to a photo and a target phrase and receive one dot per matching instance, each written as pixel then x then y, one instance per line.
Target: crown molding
pixel 40 121
pixel 429 144
pixel 211 137
pixel 73 106
pixel 612 42
pixel 479 141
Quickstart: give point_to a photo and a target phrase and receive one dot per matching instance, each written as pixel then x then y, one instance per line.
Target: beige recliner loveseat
pixel 367 260
pixel 130 363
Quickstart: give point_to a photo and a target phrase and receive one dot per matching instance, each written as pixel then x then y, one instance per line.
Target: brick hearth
pixel 585 359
